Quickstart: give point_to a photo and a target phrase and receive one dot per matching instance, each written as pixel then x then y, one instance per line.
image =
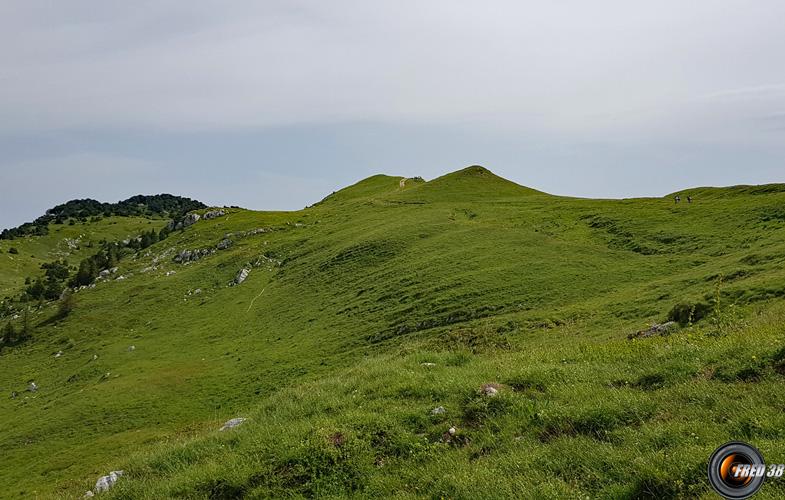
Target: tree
pixel 36 290
pixel 88 271
pixel 53 289
pixel 27 330
pixel 9 334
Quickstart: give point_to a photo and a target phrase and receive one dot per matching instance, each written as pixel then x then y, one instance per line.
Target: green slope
pixel 492 281
pixel 70 242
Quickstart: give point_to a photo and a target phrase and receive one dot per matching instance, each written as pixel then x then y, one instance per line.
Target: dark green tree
pixel 9 334
pixel 27 329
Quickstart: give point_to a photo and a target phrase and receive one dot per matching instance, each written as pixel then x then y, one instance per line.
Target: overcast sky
pixel 273 105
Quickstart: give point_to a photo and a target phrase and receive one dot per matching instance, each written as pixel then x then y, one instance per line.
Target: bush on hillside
pixel 685 313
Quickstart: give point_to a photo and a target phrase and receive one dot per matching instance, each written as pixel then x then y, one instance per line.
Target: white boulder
pixel 106 482
pixel 231 424
pixel 241 276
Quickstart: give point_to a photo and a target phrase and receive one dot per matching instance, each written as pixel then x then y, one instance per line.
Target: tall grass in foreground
pixel 623 419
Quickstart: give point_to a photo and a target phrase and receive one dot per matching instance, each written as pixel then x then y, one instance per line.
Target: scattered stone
pixel 191 219
pixel 224 244
pixel 212 214
pixel 451 431
pixel 231 424
pixel 95 356
pixel 104 273
pixel 32 387
pixel 89 494
pixel 131 348
pixel 490 390
pixel 655 329
pixel 113 270
pixel 428 364
pixel 120 278
pixel 242 275
pixel 106 482
pixel 439 410
pixel 197 291
pixel 58 354
pixel 169 273
pixel 14 394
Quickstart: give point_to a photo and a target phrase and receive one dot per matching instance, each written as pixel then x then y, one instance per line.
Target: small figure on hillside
pixel 677 199
pixel 689 199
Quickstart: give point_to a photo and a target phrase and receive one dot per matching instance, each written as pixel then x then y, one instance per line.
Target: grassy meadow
pixel 386 300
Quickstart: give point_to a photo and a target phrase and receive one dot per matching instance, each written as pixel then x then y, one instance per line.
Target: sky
pixel 273 104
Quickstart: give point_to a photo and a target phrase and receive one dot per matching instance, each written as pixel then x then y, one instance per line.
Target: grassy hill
pixel 326 348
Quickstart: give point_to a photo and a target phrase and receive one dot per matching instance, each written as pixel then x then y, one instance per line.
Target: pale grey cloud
pixel 646 85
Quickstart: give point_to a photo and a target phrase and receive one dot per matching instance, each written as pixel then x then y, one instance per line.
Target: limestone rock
pixel 242 275
pixel 439 410
pixel 106 482
pixel 192 255
pixel 212 214
pixel 231 424
pixel 191 219
pixel 655 329
pixel 490 390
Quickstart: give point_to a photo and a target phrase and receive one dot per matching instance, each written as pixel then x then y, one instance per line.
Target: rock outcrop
pixel 192 255
pixel 212 214
pixel 191 219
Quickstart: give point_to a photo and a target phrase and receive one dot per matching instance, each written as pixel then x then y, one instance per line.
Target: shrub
pixel 67 304
pixel 686 314
pixel 13 250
